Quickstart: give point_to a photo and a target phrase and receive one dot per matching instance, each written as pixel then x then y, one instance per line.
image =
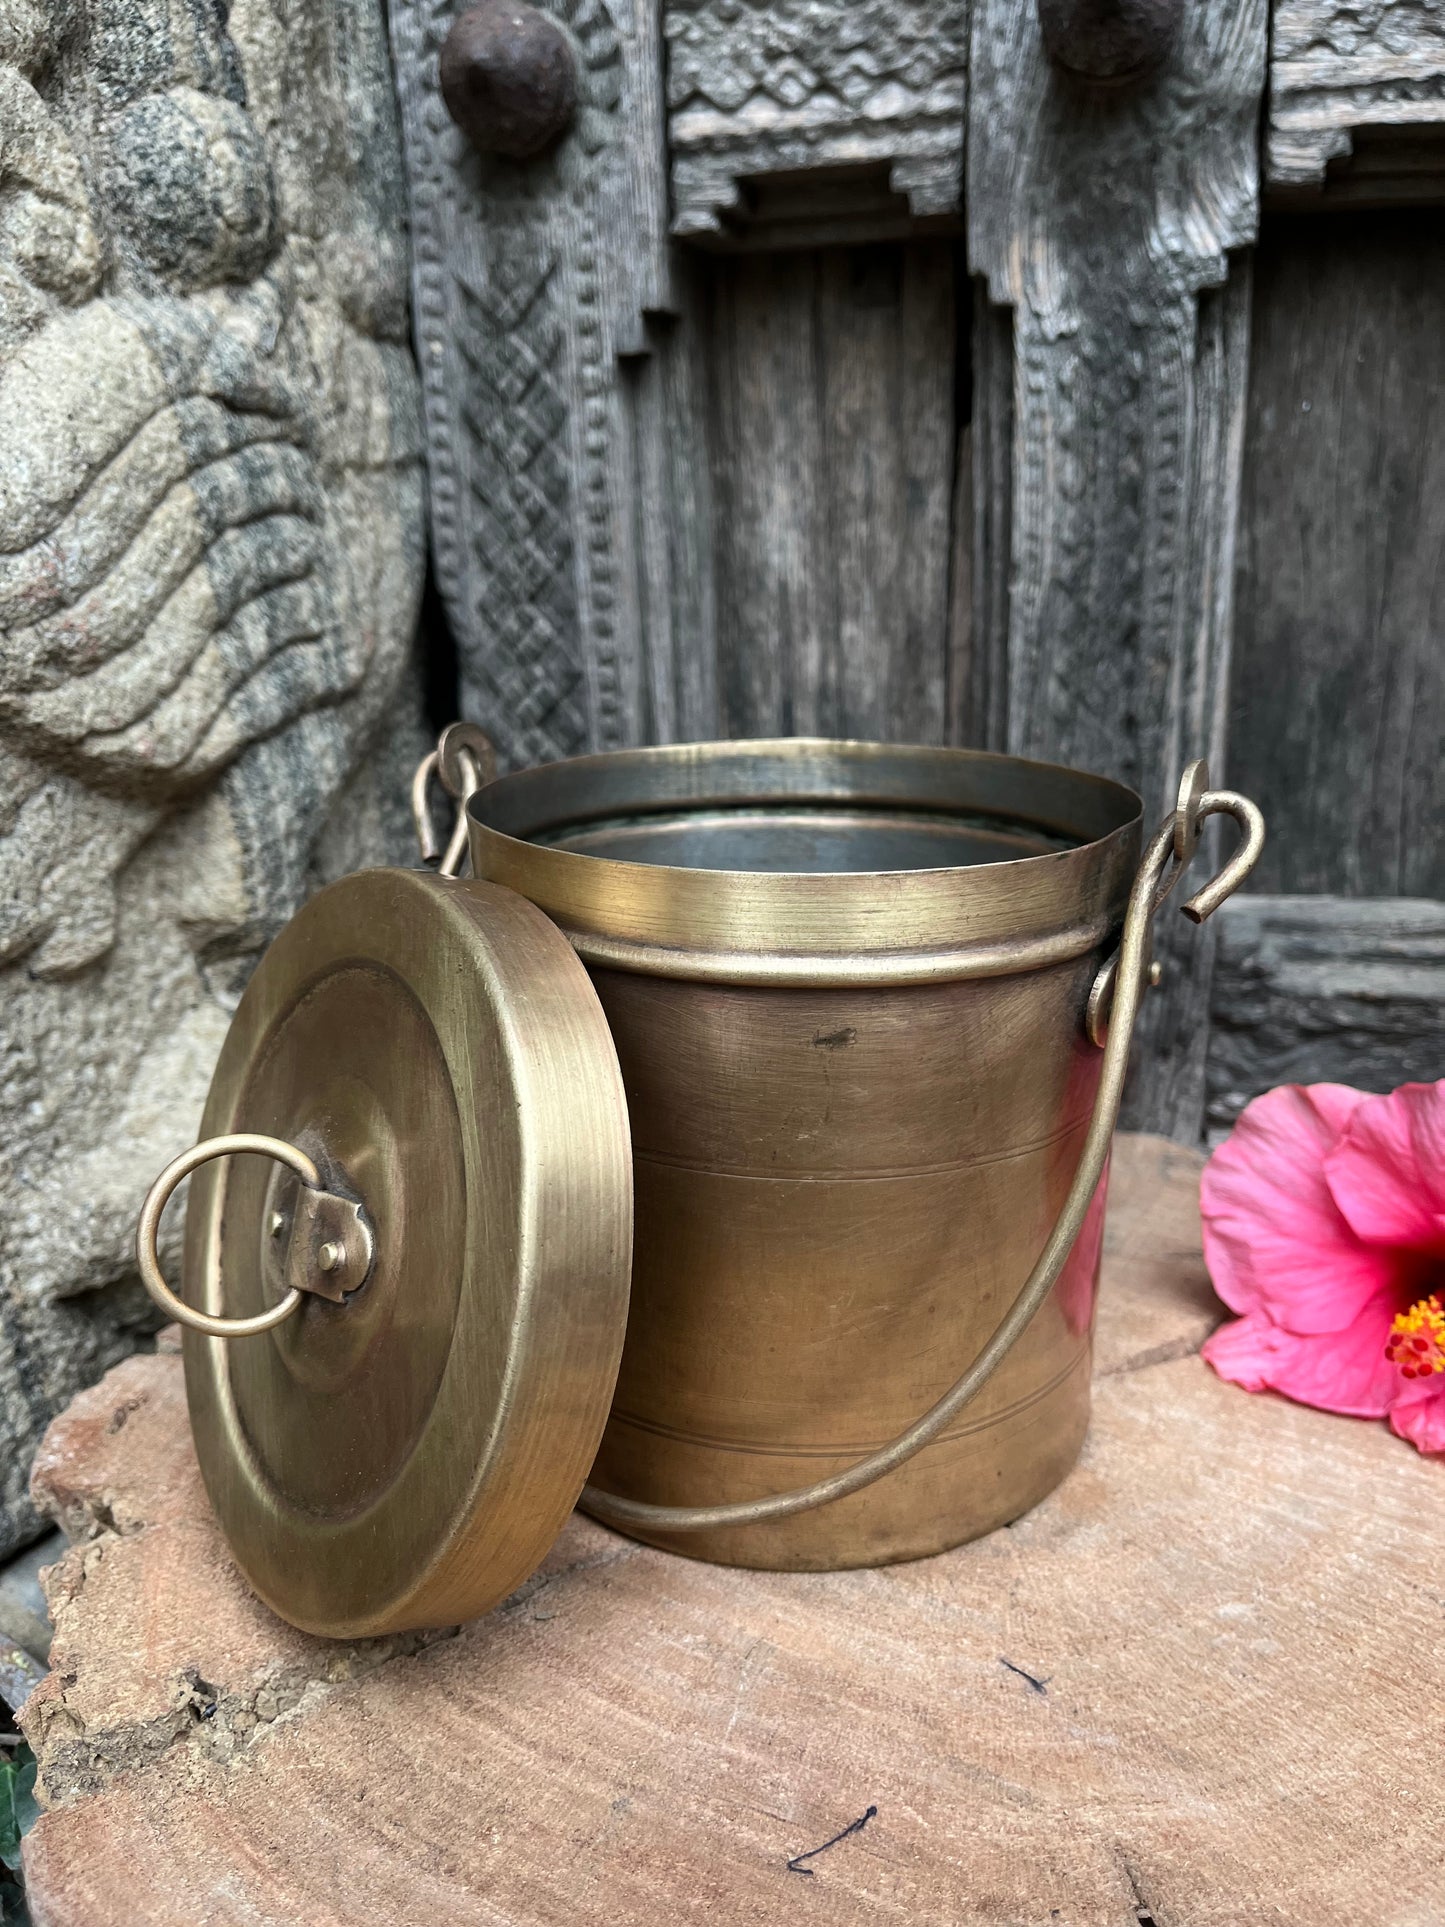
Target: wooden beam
pixel 532 283
pixel 809 94
pixel 1098 219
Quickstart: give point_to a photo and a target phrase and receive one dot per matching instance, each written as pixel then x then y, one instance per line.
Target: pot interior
pixel 804 807
pixel 827 840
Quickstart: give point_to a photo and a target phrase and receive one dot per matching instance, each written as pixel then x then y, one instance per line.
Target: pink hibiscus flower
pixel 1324 1225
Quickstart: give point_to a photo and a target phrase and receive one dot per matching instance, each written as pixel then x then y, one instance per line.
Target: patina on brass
pixel 1132 964
pixel 872 1027
pixel 319 1241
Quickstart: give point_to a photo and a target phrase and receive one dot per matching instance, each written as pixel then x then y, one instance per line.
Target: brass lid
pixel 406 1456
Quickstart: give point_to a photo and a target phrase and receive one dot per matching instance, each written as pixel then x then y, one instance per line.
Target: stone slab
pixel 1201 1684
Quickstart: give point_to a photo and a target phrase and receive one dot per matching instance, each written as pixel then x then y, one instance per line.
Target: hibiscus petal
pixel 1387 1173
pixel 1418 1415
pixel 1333 1104
pixel 1274 1238
pixel 1244 1351
pixel 1344 1371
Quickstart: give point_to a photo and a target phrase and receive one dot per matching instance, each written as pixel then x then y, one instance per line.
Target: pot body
pixel 846 985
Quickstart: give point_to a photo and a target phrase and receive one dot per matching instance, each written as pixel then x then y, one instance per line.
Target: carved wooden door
pixel 882 367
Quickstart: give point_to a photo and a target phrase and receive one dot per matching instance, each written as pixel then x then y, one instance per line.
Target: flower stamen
pixel 1417 1339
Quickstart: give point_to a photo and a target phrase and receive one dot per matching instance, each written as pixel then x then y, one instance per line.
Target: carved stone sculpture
pixel 210 558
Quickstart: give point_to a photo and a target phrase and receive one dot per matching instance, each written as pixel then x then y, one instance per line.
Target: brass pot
pixel 870 1007
pixel 846 986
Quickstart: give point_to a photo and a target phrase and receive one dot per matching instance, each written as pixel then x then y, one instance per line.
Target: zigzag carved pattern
pixel 756 89
pixel 529 672
pixel 796 51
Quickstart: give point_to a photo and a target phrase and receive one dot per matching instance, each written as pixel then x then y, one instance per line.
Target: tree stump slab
pixel 1201 1684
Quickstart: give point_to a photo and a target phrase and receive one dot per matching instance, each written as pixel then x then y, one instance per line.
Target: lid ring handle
pixel 156 1199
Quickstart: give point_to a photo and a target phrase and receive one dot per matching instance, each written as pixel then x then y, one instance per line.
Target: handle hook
pixel 462 762
pixel 1196 802
pixel 156 1199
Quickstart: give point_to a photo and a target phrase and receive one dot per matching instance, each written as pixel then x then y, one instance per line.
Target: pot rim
pixel 805 927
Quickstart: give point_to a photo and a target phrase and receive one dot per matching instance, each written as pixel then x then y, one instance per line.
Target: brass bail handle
pixel 1113 1007
pixel 462 761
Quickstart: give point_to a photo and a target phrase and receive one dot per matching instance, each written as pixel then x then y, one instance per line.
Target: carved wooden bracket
pixel 801 89
pixel 1340 66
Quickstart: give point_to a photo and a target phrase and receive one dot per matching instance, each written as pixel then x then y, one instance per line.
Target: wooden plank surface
pixel 1337 698
pixel 1231 1610
pixel 832 437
